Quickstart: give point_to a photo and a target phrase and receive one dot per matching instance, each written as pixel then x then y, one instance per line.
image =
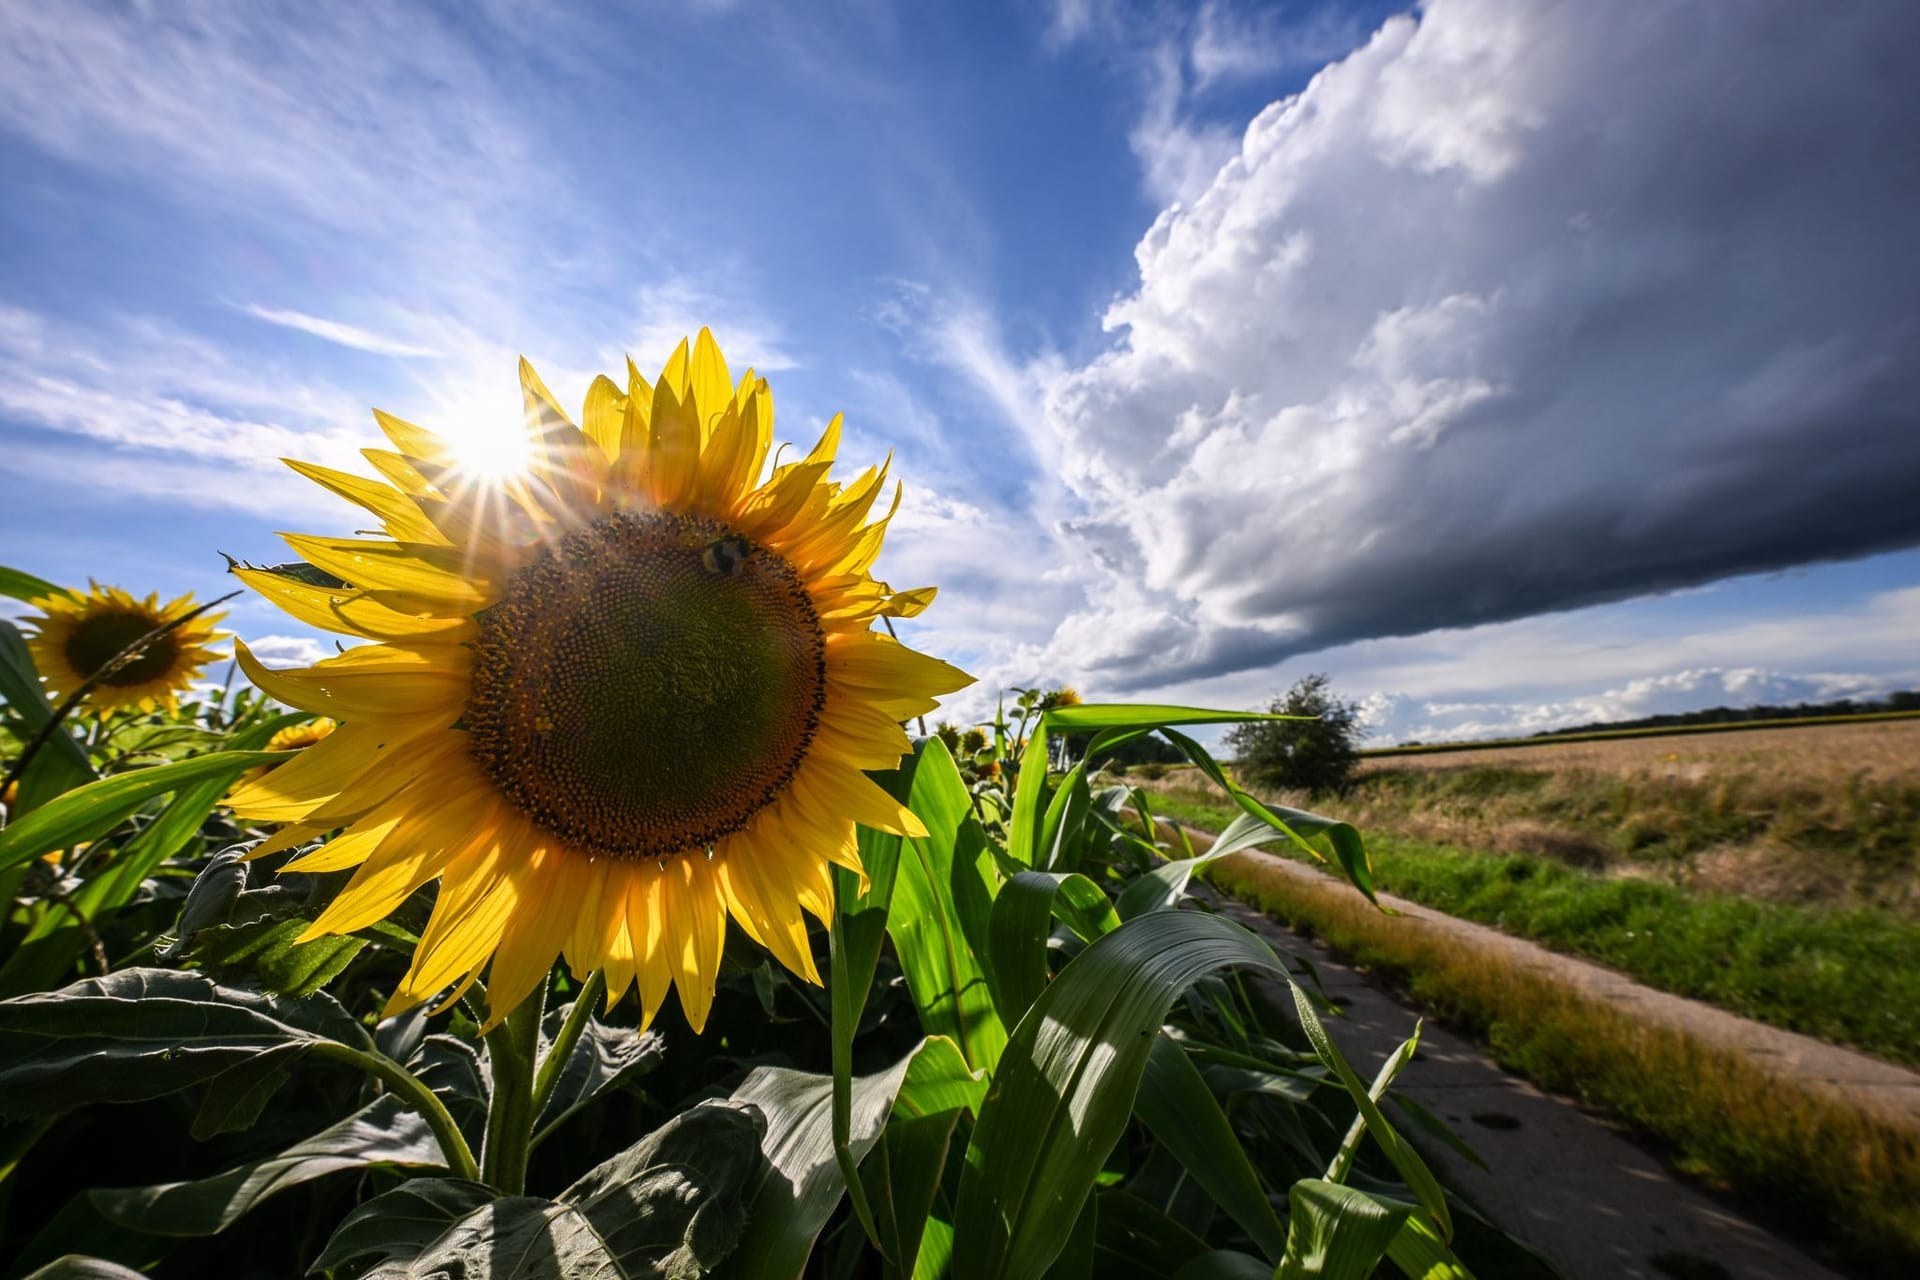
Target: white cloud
pixel 288 651
pixel 1519 307
pixel 384 121
pixel 346 335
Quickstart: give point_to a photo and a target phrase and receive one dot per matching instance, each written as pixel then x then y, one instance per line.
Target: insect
pixel 726 556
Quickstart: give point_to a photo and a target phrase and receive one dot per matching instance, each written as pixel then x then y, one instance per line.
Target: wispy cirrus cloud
pixel 345 335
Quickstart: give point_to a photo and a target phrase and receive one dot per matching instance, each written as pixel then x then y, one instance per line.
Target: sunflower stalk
pixel 416 1095
pixel 18 769
pixel 512 1045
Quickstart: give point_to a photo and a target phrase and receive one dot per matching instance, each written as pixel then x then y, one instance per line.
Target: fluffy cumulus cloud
pixel 1518 307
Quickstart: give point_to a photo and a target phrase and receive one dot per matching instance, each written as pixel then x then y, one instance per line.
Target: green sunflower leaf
pixel 144 1033
pixel 382 1134
pixel 400 1224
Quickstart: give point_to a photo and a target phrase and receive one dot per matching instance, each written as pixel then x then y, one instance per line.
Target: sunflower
pixel 294 737
pixel 610 702
pixel 304 734
pixel 77 635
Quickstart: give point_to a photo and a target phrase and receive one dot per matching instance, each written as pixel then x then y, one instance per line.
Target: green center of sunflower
pixel 647 685
pixel 95 639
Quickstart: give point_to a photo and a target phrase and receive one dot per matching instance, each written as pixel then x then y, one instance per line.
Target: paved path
pixel 1559 1178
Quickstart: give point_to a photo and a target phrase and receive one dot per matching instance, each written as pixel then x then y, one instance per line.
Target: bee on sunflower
pixel 76 636
pixel 610 701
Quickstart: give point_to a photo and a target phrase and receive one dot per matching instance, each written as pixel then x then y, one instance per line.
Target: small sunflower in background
pixel 305 734
pixel 612 698
pixel 294 737
pixel 77 635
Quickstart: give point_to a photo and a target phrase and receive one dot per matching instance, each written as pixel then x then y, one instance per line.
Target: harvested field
pixel 1824 816
pixel 1886 749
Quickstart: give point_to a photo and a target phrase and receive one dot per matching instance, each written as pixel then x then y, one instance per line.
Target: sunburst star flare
pixel 610 702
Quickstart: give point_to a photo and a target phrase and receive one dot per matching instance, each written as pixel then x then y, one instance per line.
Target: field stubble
pixel 1826 815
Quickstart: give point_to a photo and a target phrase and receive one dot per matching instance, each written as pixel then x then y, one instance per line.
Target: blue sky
pixel 1517 364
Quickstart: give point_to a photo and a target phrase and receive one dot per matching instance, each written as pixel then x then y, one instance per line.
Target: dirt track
pixel 1561 1179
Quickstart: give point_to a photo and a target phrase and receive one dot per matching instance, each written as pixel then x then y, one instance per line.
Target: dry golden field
pixel 1888 749
pixel 1827 814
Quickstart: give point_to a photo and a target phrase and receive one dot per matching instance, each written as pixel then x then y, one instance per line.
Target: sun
pixel 630 694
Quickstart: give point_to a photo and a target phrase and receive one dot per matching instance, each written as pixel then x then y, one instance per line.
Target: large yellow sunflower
pixel 77 635
pixel 609 702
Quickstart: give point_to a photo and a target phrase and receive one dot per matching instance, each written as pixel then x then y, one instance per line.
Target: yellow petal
pixel 290 791
pixel 391 571
pixel 605 415
pixel 764 910
pixel 712 386
pixel 351 694
pixel 696 921
pixel 533 936
pixel 403 520
pixel 647 890
pixel 674 373
pixel 349 610
pixel 673 447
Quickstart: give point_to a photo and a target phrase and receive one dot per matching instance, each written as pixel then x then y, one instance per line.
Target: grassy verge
pixel 1820 1167
pixel 1850 977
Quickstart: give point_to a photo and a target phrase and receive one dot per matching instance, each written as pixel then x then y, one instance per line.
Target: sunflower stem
pixel 561 1049
pixel 512 1046
pixel 453 1144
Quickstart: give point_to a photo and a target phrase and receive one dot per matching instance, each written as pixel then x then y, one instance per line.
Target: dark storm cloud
pixel 1520 307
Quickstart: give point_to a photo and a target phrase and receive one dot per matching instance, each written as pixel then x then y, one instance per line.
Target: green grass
pixel 1812 1162
pixel 1664 731
pixel 1850 977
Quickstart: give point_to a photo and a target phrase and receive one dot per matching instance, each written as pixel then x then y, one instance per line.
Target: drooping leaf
pixel 1165 885
pixel 1335 1232
pixel 143 1033
pixel 803 1183
pixel 1089 717
pixel 1312 833
pixel 512 1238
pixel 382 1133
pixel 674 1203
pixel 399 1224
pixel 603 1059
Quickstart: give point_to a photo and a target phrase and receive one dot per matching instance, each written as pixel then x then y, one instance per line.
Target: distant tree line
pixel 1906 700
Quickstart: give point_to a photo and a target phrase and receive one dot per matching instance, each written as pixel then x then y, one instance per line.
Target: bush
pixel 1318 754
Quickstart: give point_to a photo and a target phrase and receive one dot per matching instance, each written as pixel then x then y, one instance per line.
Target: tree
pixel 1304 755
